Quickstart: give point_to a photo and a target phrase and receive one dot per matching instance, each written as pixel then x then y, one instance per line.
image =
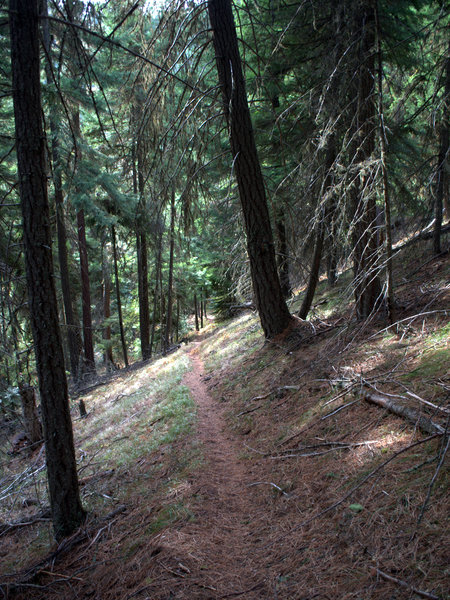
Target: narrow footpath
pixel 225 550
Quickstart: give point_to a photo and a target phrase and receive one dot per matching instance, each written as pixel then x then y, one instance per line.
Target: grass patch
pixel 431 364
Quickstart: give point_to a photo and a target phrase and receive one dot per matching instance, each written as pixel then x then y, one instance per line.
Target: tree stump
pixel 82 408
pixel 31 422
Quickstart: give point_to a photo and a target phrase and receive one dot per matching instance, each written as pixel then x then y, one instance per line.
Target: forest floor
pixel 237 469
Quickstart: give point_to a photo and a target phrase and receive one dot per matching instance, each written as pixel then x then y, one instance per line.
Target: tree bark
pixel 390 299
pixel 442 171
pixel 67 511
pixel 73 326
pixel 31 422
pixel 197 327
pixel 118 298
pixel 367 285
pixel 142 260
pixel 168 331
pixel 106 293
pixel 271 305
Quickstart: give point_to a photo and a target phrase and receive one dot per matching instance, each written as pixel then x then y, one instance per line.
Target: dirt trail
pixel 225 551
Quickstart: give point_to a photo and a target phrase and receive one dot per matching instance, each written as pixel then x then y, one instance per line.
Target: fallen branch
pixel 432 482
pixel 430 404
pixel 42 515
pixel 406 585
pixel 334 446
pixel 362 482
pixel 410 414
pixel 249 410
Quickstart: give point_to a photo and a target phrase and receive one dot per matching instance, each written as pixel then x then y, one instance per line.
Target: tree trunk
pixel 168 331
pixel 282 255
pixel 118 298
pixel 31 422
pixel 177 331
pixel 197 327
pixel 106 293
pixel 85 294
pixel 367 285
pixel 201 308
pixel 320 233
pixel 155 297
pixel 142 261
pixel 73 327
pixel 332 253
pixel 67 511
pixel 314 274
pixel 442 171
pixel 390 299
pixel 271 305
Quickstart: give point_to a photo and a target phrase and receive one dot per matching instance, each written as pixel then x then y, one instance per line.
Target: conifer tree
pixel 270 302
pixel 65 502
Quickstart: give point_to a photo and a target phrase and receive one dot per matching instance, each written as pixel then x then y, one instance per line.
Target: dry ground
pixel 281 482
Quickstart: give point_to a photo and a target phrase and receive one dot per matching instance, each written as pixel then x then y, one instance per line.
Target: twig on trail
pixel 363 481
pixel 119 397
pixel 275 391
pixel 344 392
pixel 264 396
pixel 53 574
pixel 170 570
pixel 433 479
pixel 406 585
pixel 277 487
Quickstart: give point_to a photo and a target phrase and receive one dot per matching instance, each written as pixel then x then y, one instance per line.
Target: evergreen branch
pixel 125 49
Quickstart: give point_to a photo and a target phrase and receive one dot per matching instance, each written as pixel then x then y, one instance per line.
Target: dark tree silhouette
pixel 273 311
pixel 30 146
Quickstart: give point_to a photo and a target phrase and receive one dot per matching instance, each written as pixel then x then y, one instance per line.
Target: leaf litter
pixel 237 469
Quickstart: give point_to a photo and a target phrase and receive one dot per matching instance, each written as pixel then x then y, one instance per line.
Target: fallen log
pixel 408 413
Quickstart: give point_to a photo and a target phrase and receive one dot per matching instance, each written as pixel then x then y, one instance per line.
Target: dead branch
pixel 334 446
pixel 410 414
pixel 314 423
pixel 428 403
pixel 42 515
pixel 363 481
pixel 264 396
pixel 433 479
pixel 249 410
pixel 274 485
pixel 406 585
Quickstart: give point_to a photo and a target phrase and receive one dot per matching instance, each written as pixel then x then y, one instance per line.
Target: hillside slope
pixel 238 469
